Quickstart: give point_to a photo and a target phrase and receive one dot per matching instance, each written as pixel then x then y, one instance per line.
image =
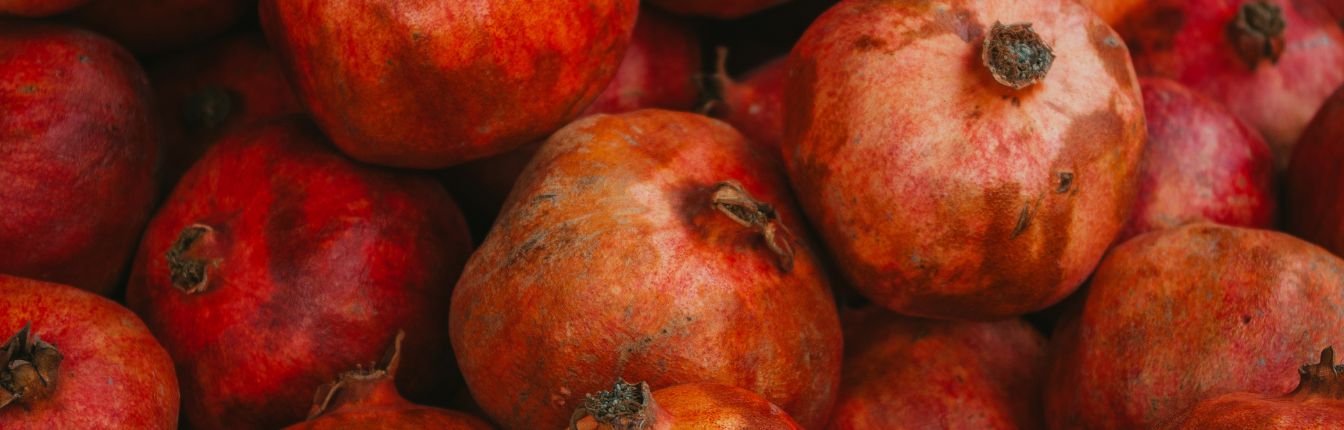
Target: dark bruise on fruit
pixel 188 272
pixel 29 368
pixel 1016 55
pixel 622 407
pixel 733 200
pixel 1257 32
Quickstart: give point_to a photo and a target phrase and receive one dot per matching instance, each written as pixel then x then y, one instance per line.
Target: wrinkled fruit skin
pixel 1201 164
pixel 113 374
pixel 721 9
pixel 949 369
pixel 710 406
pixel 1314 209
pixel 756 104
pixel 1113 11
pixel 1175 316
pixel 313 261
pixel 80 146
pixel 1187 40
pixel 613 217
pixel 429 86
pixel 942 192
pixel 160 26
pixel 657 71
pixel 206 93
pixel 37 8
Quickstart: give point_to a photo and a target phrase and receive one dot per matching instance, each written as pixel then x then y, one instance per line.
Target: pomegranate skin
pixel 951 368
pixel 113 374
pixel 755 105
pixel 37 8
pixel 703 406
pixel 1113 11
pixel 721 9
pixel 275 240
pixel 658 69
pixel 1316 404
pixel 1313 209
pixel 81 144
pixel 159 26
pixel 941 192
pixel 1217 309
pixel 627 202
pixel 430 86
pixel 1188 40
pixel 1201 164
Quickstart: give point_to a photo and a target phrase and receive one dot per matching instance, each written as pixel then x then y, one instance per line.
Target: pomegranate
pixel 159 26
pixel 1201 164
pixel 429 86
pixel 1317 402
pixel 79 361
pixel 1113 11
pixel 722 9
pixel 963 160
pixel 1314 209
pixel 754 106
pixel 79 144
pixel 658 70
pixel 1271 62
pixel 37 8
pixel 947 369
pixel 652 245
pixel 685 406
pixel 1179 315
pixel 273 239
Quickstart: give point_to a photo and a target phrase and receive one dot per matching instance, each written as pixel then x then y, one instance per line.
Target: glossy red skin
pixel 80 143
pixel 952 375
pixel 37 8
pixel 688 295
pixel 710 406
pixel 1314 209
pixel 1336 8
pixel 755 105
pixel 1246 411
pixel 1186 40
pixel 159 26
pixel 657 71
pixel 245 66
pixel 1201 164
pixel 113 374
pixel 321 260
pixel 1113 11
pixel 384 408
pixel 1179 315
pixel 939 190
pixel 429 86
pixel 721 9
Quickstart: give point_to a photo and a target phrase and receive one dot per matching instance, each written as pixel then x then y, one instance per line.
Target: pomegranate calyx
pixel 625 407
pixel 207 108
pixel 29 368
pixel 1323 379
pixel 732 200
pixel 188 264
pixel 1257 32
pixel 360 385
pixel 1016 55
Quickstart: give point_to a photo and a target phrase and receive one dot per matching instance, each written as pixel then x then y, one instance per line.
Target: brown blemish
pixel 1023 221
pixel 1065 182
pixel 866 43
pixel 28 89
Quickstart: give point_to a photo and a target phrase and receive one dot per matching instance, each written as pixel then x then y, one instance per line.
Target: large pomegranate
pixel 722 9
pixel 158 26
pixel 1175 316
pixel 686 406
pixel 939 374
pixel 1316 403
pixel 1314 208
pixel 754 105
pixel 653 246
pixel 967 160
pixel 37 8
pixel 1271 62
pixel 79 361
pixel 1201 164
pixel 277 264
pixel 79 145
pixel 428 85
pixel 658 70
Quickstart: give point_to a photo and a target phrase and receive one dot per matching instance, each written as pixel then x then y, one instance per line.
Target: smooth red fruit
pixel 1179 315
pixel 1274 80
pixel 946 185
pixel 278 263
pixel 939 374
pixel 1336 8
pixel 721 9
pixel 685 406
pixel 159 26
pixel 79 145
pixel 37 8
pixel 1314 207
pixel 429 85
pixel 79 361
pixel 658 70
pixel 1316 403
pixel 654 246
pixel 1201 164
pixel 1113 11
pixel 755 105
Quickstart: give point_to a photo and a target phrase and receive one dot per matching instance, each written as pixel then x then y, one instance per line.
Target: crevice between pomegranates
pixel 731 199
pixel 1257 32
pixel 30 368
pixel 187 266
pixel 1016 55
pixel 360 386
pixel 207 108
pixel 625 407
pixel 1323 379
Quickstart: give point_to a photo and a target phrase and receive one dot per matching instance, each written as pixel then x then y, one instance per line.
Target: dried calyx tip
pixel 188 270
pixel 624 407
pixel 1257 32
pixel 1016 55
pixel 733 200
pixel 386 367
pixel 1323 378
pixel 29 368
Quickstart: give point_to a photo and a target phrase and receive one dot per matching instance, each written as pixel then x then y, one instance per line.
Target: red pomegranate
pixel 658 70
pixel 951 375
pixel 963 160
pixel 1201 164
pixel 79 361
pixel 159 26
pixel 685 406
pixel 37 8
pixel 1271 62
pixel 655 246
pixel 755 105
pixel 424 85
pixel 1113 11
pixel 79 145
pixel 1179 315
pixel 1316 403
pixel 275 241
pixel 1314 207
pixel 721 9
pixel 1336 8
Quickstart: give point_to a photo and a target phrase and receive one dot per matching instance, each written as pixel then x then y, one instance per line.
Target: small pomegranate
pixel 721 9
pixel 1314 208
pixel 79 145
pixel 1317 403
pixel 658 70
pixel 79 361
pixel 1113 11
pixel 1180 315
pixel 273 240
pixel 755 106
pixel 652 245
pixel 37 8
pixel 687 406
pixel 159 26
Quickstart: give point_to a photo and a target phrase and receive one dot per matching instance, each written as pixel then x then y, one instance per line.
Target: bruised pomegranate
pixel 652 245
pixel 658 70
pixel 940 374
pixel 1317 402
pixel 277 264
pixel 686 406
pixel 79 145
pixel 37 8
pixel 1271 62
pixel 1314 208
pixel 1175 316
pixel 1113 11
pixel 158 26
pixel 429 85
pixel 79 361
pixel 1201 164
pixel 755 106
pixel 963 160
pixel 722 9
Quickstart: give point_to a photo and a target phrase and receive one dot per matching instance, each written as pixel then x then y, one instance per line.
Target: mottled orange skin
pixel 320 260
pixel 113 374
pixel 1187 40
pixel 1314 207
pixel 433 84
pixel 1179 315
pixel 160 26
pixel 378 406
pixel 658 70
pixel 79 146
pixel 721 9
pixel 610 261
pixel 1201 164
pixel 755 105
pixel 37 8
pixel 901 371
pixel 1247 411
pixel 940 191
pixel 708 406
pixel 1113 11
